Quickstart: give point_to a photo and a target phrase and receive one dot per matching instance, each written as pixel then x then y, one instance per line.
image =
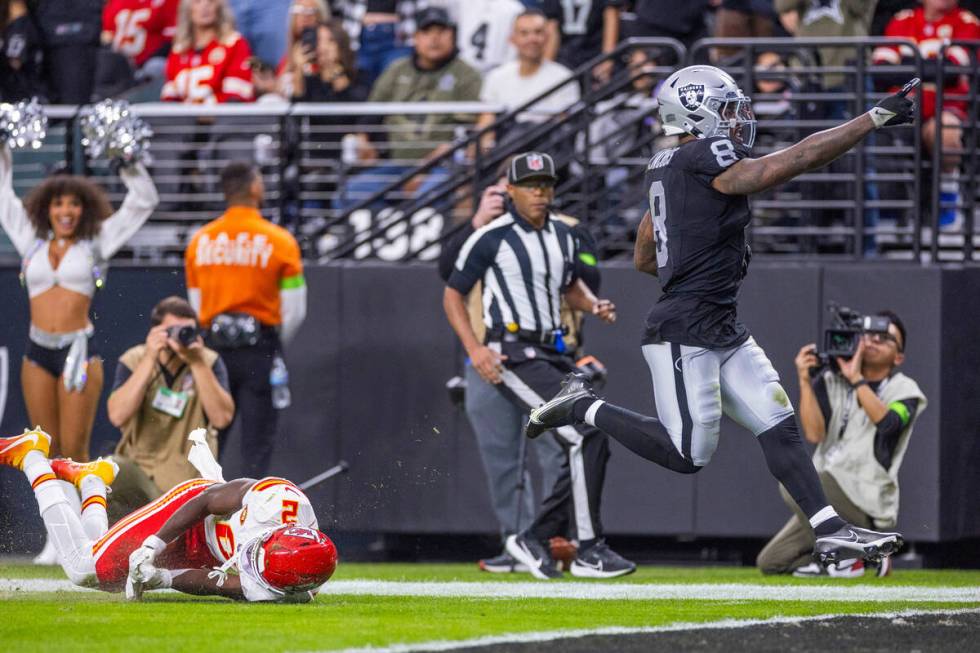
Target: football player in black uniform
pixel 702 359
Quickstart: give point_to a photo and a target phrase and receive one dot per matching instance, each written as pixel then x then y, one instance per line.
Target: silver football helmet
pixel 705 101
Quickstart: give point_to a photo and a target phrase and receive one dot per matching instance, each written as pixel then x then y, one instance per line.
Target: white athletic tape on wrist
pixel 880 116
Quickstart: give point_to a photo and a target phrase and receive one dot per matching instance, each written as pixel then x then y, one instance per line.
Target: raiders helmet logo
pixel 535 162
pixel 691 96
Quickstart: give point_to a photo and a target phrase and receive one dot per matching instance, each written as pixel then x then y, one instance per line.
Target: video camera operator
pixel 164 389
pixel 859 411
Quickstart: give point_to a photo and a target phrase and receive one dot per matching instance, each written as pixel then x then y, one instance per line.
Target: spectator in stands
pixel 252 304
pixel 164 389
pixel 484 30
pixel 812 18
pixel 304 16
pixel 860 416
pixel 743 19
pixel 209 62
pixel 577 33
pixel 70 32
pixel 514 83
pixel 260 22
pixel 21 54
pixel 667 18
pixel 381 31
pixel 265 83
pixel 332 76
pixel 626 128
pixel 434 74
pixel 930 25
pixel 142 31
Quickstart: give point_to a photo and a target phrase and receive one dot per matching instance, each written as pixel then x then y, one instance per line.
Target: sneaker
pixel 502 564
pixel 68 470
pixel 533 554
pixel 853 568
pixel 15 448
pixel 812 570
pixel 558 411
pixel 849 540
pixel 599 561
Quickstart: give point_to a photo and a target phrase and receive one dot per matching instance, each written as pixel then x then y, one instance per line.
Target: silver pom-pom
pixel 110 129
pixel 23 124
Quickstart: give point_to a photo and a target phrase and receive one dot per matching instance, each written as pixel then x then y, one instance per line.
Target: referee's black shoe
pixel 850 542
pixel 599 561
pixel 558 410
pixel 533 554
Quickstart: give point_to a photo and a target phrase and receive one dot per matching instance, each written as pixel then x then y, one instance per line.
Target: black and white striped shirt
pixel 524 272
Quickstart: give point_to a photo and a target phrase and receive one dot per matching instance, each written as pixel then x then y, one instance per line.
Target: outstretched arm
pixel 755 175
pixel 645 248
pixel 202 583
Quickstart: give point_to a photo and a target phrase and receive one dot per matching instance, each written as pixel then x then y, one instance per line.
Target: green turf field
pixel 94 621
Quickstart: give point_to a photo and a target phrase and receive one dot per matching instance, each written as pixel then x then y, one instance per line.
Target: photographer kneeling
pixel 164 389
pixel 860 417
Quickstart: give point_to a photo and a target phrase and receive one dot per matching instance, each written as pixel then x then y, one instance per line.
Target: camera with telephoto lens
pixel 842 337
pixel 185 334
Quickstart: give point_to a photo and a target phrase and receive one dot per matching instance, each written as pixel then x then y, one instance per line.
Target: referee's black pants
pixel 248 378
pixel 532 374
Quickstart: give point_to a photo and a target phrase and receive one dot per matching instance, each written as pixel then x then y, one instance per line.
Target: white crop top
pixel 79 267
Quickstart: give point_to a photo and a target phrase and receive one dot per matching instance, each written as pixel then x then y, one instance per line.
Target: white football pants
pixel 693 386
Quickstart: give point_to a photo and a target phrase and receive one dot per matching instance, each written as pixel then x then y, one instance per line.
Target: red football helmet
pixel 296 558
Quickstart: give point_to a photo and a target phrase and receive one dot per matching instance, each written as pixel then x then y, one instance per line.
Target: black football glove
pixel 895 109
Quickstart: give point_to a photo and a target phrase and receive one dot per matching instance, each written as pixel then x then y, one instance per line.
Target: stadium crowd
pixel 208 51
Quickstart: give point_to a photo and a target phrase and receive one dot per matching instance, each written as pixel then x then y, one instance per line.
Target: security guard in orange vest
pixel 245 280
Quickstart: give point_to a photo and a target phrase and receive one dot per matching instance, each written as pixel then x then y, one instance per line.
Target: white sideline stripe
pixel 547 636
pixel 597 591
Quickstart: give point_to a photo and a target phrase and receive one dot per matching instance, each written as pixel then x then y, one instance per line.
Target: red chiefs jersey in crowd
pixel 958 24
pixel 139 28
pixel 219 72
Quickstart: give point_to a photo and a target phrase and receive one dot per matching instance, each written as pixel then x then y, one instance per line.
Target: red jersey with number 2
pixel 139 28
pixel 219 72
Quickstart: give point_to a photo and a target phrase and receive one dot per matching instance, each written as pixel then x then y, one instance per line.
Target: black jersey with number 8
pixel 700 234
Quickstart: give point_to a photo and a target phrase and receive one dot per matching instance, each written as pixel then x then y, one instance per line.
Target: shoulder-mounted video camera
pixel 842 337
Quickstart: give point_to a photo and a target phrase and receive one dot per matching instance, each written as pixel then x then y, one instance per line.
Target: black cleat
pixel 599 561
pixel 558 410
pixel 535 555
pixel 850 541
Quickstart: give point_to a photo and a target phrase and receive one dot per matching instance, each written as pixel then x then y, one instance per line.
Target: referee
pixel 526 261
pixel 245 280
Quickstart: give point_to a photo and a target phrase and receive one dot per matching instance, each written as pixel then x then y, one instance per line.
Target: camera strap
pixel 849 405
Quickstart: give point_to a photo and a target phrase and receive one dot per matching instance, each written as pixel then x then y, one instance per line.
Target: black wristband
pixel 858 384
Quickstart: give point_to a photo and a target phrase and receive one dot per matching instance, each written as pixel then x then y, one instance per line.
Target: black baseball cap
pixel 531 165
pixel 430 16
